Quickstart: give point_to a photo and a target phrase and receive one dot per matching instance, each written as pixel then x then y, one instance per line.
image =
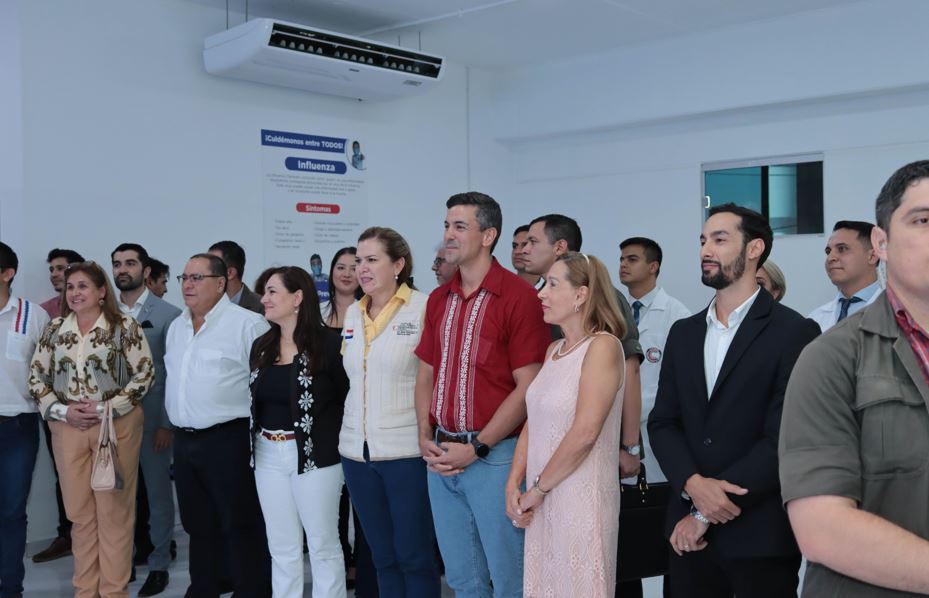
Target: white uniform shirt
pixel 827 314
pixel 658 312
pixel 719 337
pixel 207 372
pixel 21 326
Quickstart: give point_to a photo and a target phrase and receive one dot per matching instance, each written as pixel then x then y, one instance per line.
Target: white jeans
pixel 289 500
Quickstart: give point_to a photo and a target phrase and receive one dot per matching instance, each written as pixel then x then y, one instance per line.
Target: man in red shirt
pixel 483 342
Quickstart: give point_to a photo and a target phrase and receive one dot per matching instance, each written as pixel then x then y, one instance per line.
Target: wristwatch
pixel 633 450
pixel 480 449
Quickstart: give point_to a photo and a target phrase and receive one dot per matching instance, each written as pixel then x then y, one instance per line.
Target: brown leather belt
pixel 462 438
pixel 279 436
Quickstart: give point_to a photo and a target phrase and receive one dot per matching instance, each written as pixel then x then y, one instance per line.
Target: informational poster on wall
pixel 315 196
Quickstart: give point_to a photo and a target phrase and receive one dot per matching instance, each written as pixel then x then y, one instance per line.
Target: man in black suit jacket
pixel 717 415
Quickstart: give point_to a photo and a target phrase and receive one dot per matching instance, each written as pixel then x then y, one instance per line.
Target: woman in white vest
pixel 379 444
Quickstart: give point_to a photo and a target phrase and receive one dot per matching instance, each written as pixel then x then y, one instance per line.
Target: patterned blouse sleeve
pixel 42 369
pixel 139 366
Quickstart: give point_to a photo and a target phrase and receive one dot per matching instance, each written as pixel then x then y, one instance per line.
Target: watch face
pixel 480 449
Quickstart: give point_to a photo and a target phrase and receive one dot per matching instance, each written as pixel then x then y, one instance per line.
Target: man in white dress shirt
pixel 207 399
pixel 852 267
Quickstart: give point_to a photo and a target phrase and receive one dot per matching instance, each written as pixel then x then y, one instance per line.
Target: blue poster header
pixel 299 141
pixel 308 165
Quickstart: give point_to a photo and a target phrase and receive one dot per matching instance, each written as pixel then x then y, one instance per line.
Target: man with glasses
pixel 444 272
pixel 208 401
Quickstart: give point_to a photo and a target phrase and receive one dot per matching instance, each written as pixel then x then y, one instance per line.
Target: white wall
pixel 617 140
pixel 126 138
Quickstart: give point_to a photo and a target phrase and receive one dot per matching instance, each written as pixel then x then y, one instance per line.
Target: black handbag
pixel 643 549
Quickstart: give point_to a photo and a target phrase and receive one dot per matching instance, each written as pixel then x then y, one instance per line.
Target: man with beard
pixel 130 269
pixel 714 428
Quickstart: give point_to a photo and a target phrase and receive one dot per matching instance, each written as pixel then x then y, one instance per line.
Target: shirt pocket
pixel 18 347
pixel 894 428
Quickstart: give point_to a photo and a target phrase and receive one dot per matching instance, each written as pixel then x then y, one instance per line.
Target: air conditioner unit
pixel 291 55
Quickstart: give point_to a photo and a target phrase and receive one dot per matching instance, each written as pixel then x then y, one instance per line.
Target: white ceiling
pixel 513 33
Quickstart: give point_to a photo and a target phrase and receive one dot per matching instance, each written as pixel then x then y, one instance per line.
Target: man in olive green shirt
pixel 854 447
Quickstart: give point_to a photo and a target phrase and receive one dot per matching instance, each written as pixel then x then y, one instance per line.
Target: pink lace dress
pixel 571 543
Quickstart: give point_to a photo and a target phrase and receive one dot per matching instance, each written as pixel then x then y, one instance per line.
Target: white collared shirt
pixel 136 308
pixel 21 326
pixel 719 337
pixel 646 300
pixel 207 372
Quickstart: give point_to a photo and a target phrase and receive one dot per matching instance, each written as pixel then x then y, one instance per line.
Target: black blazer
pixel 733 435
pixel 317 403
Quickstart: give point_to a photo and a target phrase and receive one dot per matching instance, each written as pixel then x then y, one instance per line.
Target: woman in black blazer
pixel 298 391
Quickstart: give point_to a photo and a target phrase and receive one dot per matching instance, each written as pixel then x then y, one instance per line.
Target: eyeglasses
pixel 437 262
pixel 182 278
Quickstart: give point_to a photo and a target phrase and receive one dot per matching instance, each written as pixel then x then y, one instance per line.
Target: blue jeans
pixel 19 444
pixel 392 503
pixel 478 542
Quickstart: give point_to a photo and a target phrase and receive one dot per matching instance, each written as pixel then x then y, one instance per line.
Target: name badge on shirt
pixel 653 355
pixel 406 329
pixel 348 334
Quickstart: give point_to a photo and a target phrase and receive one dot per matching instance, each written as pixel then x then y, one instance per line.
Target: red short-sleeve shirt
pixel 475 343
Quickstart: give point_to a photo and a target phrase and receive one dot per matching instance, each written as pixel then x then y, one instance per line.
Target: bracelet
pixel 535 486
pixel 699 516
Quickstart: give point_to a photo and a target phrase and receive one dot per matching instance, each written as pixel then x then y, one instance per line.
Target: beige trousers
pixel 103 522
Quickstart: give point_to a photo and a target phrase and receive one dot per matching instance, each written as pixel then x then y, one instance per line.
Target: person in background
pixel 58 261
pixel 342 288
pixel 130 269
pixel 89 355
pixel 444 272
pixel 851 264
pixel 22 323
pixel 771 278
pixel 297 378
pixel 208 401
pixel 157 280
pixel 233 256
pixel 520 238
pixel 567 455
pixel 319 279
pixel 378 442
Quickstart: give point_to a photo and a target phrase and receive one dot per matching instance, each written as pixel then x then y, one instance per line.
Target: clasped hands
pixel 710 497
pixel 521 506
pixel 448 458
pixel 83 415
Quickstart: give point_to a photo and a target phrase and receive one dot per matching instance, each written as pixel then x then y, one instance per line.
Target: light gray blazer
pixel 155 317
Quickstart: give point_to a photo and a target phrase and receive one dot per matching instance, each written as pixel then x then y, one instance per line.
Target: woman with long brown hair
pixel 298 391
pixel 568 452
pixel 90 356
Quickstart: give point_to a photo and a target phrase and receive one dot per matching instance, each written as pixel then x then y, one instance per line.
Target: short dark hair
pixel 216 265
pixel 158 268
pixel 651 249
pixel 8 258
pixel 233 255
pixel 891 195
pixel 862 228
pixel 753 226
pixel 488 211
pixel 315 256
pixel 140 251
pixel 558 226
pixel 521 229
pixel 70 255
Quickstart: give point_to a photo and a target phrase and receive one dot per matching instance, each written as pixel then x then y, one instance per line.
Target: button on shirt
pixel 719 337
pixel 136 308
pixel 21 326
pixel 208 371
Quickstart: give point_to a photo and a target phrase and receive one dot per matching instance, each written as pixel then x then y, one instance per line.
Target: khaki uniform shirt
pixel 856 425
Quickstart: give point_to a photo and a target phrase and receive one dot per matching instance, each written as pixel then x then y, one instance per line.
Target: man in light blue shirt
pixel 851 265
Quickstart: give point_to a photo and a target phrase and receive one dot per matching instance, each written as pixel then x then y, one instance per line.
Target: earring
pixel 100 302
pixel 577 308
pixel 396 277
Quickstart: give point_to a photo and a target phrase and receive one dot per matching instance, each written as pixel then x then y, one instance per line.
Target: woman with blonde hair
pixel 90 357
pixel 772 279
pixel 568 451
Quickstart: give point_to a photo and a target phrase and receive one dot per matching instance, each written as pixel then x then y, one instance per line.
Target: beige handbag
pixel 105 473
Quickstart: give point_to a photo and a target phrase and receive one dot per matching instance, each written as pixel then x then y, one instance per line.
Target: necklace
pixel 561 353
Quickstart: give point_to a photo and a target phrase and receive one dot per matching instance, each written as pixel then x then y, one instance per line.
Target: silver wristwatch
pixel 633 450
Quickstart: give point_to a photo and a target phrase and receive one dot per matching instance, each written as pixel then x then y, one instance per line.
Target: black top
pixel 272 398
pixel 316 403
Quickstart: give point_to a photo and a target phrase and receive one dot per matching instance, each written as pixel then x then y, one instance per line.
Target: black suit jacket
pixel 732 435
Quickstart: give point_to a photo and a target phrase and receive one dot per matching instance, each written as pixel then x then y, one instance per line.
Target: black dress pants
pixel 708 574
pixel 220 511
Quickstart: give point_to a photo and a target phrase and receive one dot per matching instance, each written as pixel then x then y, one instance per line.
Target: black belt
pixel 459 437
pixel 214 427
pixel 6 418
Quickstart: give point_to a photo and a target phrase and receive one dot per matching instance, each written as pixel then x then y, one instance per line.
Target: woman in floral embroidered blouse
pixel 91 354
pixel 298 394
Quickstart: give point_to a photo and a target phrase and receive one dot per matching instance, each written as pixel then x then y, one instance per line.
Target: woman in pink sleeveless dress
pixel 568 452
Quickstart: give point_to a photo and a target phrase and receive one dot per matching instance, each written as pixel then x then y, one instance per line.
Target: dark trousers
pixel 392 501
pixel 220 511
pixel 19 444
pixel 708 574
pixel 64 525
pixel 358 557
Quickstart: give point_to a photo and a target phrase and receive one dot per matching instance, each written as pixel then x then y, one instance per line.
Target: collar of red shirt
pixel 903 317
pixel 493 281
